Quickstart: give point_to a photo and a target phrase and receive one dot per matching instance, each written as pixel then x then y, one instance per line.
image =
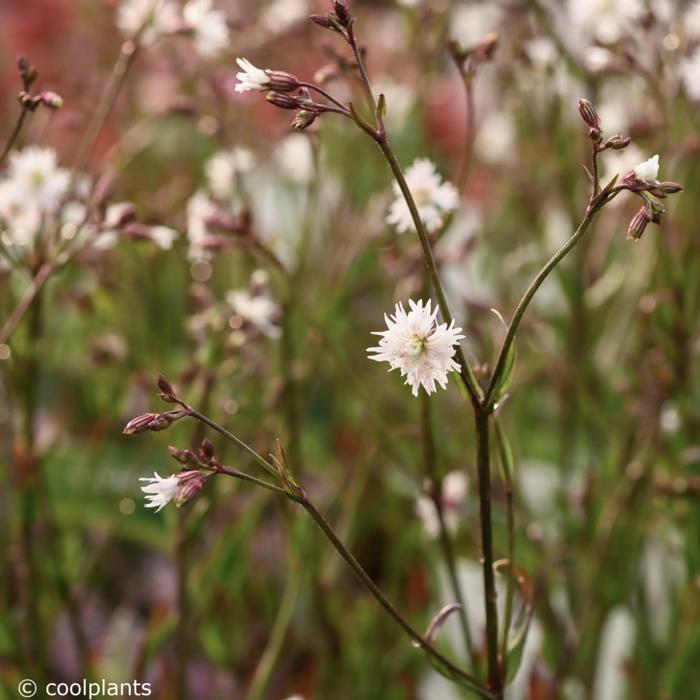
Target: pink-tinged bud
pixel 484 51
pixel 152 422
pixel 322 21
pixel 167 393
pixel 281 81
pixel 588 114
pixel 191 483
pixel 638 224
pixel 282 100
pixel 52 100
pixel 595 135
pixel 342 11
pixel 206 450
pixel 185 457
pixel 670 187
pixel 303 119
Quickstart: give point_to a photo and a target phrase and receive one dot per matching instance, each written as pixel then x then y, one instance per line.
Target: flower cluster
pixel 452 498
pixel 418 346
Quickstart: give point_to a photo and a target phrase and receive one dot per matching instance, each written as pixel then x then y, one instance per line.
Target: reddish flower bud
pixel 282 100
pixel 638 224
pixel 281 81
pixel 588 114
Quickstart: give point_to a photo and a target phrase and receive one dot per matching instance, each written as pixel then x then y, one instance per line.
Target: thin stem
pixel 429 454
pixel 363 72
pixel 532 289
pixel 467 374
pixel 596 170
pixel 221 469
pixel 379 596
pixel 109 96
pixel 15 133
pixel 467 81
pixel 327 95
pixel 484 473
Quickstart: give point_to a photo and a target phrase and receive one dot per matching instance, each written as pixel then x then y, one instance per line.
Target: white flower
pixel 294 156
pixel 153 18
pixel 199 210
pixel 211 35
pixel 250 78
pixel 690 74
pixel 434 198
pixel 604 20
pixel 163 236
pixel 257 309
pixel 159 492
pixel 18 222
pixel 648 170
pixel 282 14
pixel 454 490
pixel 221 170
pixel 39 181
pixel 418 346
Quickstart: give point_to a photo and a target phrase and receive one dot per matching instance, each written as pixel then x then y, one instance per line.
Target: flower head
pixel 152 18
pixel 434 198
pixel 159 492
pixel 418 346
pixel 648 171
pixel 250 77
pixel 211 35
pixel 39 181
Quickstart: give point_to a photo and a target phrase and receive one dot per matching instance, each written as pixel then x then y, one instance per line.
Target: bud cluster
pixel 28 75
pixel 470 58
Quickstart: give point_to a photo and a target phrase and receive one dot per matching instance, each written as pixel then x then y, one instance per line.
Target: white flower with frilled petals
pixel 454 491
pixel 250 77
pixel 260 310
pixel 153 18
pixel 648 170
pixel 39 181
pixel 159 492
pixel 211 35
pixel 418 346
pixel 434 198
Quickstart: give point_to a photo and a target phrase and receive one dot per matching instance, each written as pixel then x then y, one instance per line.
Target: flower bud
pixel 588 114
pixel 303 119
pixel 617 143
pixel 342 11
pixel 281 81
pixel 152 422
pixel 166 389
pixel 191 483
pixel 50 99
pixel 185 457
pixel 282 100
pixel 206 450
pixel 638 224
pixel 322 21
pixel 670 187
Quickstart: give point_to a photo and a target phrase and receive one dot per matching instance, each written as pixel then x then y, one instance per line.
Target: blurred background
pixel 252 267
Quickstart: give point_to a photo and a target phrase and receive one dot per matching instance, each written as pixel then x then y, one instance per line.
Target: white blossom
pixel 221 170
pixel 648 170
pixel 420 348
pixel 159 492
pixel 282 14
pixel 250 77
pixel 454 491
pixel 211 35
pixel 199 210
pixel 604 20
pixel 163 236
pixel 690 74
pixel 434 198
pixel 153 18
pixel 258 309
pixel 39 181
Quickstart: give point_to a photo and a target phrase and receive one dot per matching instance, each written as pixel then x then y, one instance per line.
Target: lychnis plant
pixel 425 349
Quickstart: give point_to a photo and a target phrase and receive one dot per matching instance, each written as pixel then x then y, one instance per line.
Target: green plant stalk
pixel 429 456
pixel 15 133
pixel 483 465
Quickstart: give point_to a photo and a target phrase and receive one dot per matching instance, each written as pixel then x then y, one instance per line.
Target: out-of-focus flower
pixel 670 418
pixel 39 181
pixel 690 74
pixel 163 236
pixel 496 138
pixel 221 170
pixel 294 156
pixel 250 77
pixel 159 492
pixel 153 18
pixel 420 348
pixel 211 35
pixel 199 210
pixel 648 171
pixel 256 307
pixel 454 491
pixel 471 23
pixel 434 198
pixel 282 14
pixel 604 20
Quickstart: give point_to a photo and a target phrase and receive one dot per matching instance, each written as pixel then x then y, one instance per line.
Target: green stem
pixel 481 418
pixel 15 133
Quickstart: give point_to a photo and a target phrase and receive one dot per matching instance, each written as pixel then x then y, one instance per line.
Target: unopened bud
pixel 206 450
pixel 638 224
pixel 486 48
pixel 191 483
pixel 152 422
pixel 342 11
pixel 281 81
pixel 166 389
pixel 185 457
pixel 303 119
pixel 282 100
pixel 670 187
pixel 595 135
pixel 588 114
pixel 617 143
pixel 323 21
pixel 50 99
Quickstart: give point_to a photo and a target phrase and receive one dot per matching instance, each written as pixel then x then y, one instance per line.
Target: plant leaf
pixel 509 366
